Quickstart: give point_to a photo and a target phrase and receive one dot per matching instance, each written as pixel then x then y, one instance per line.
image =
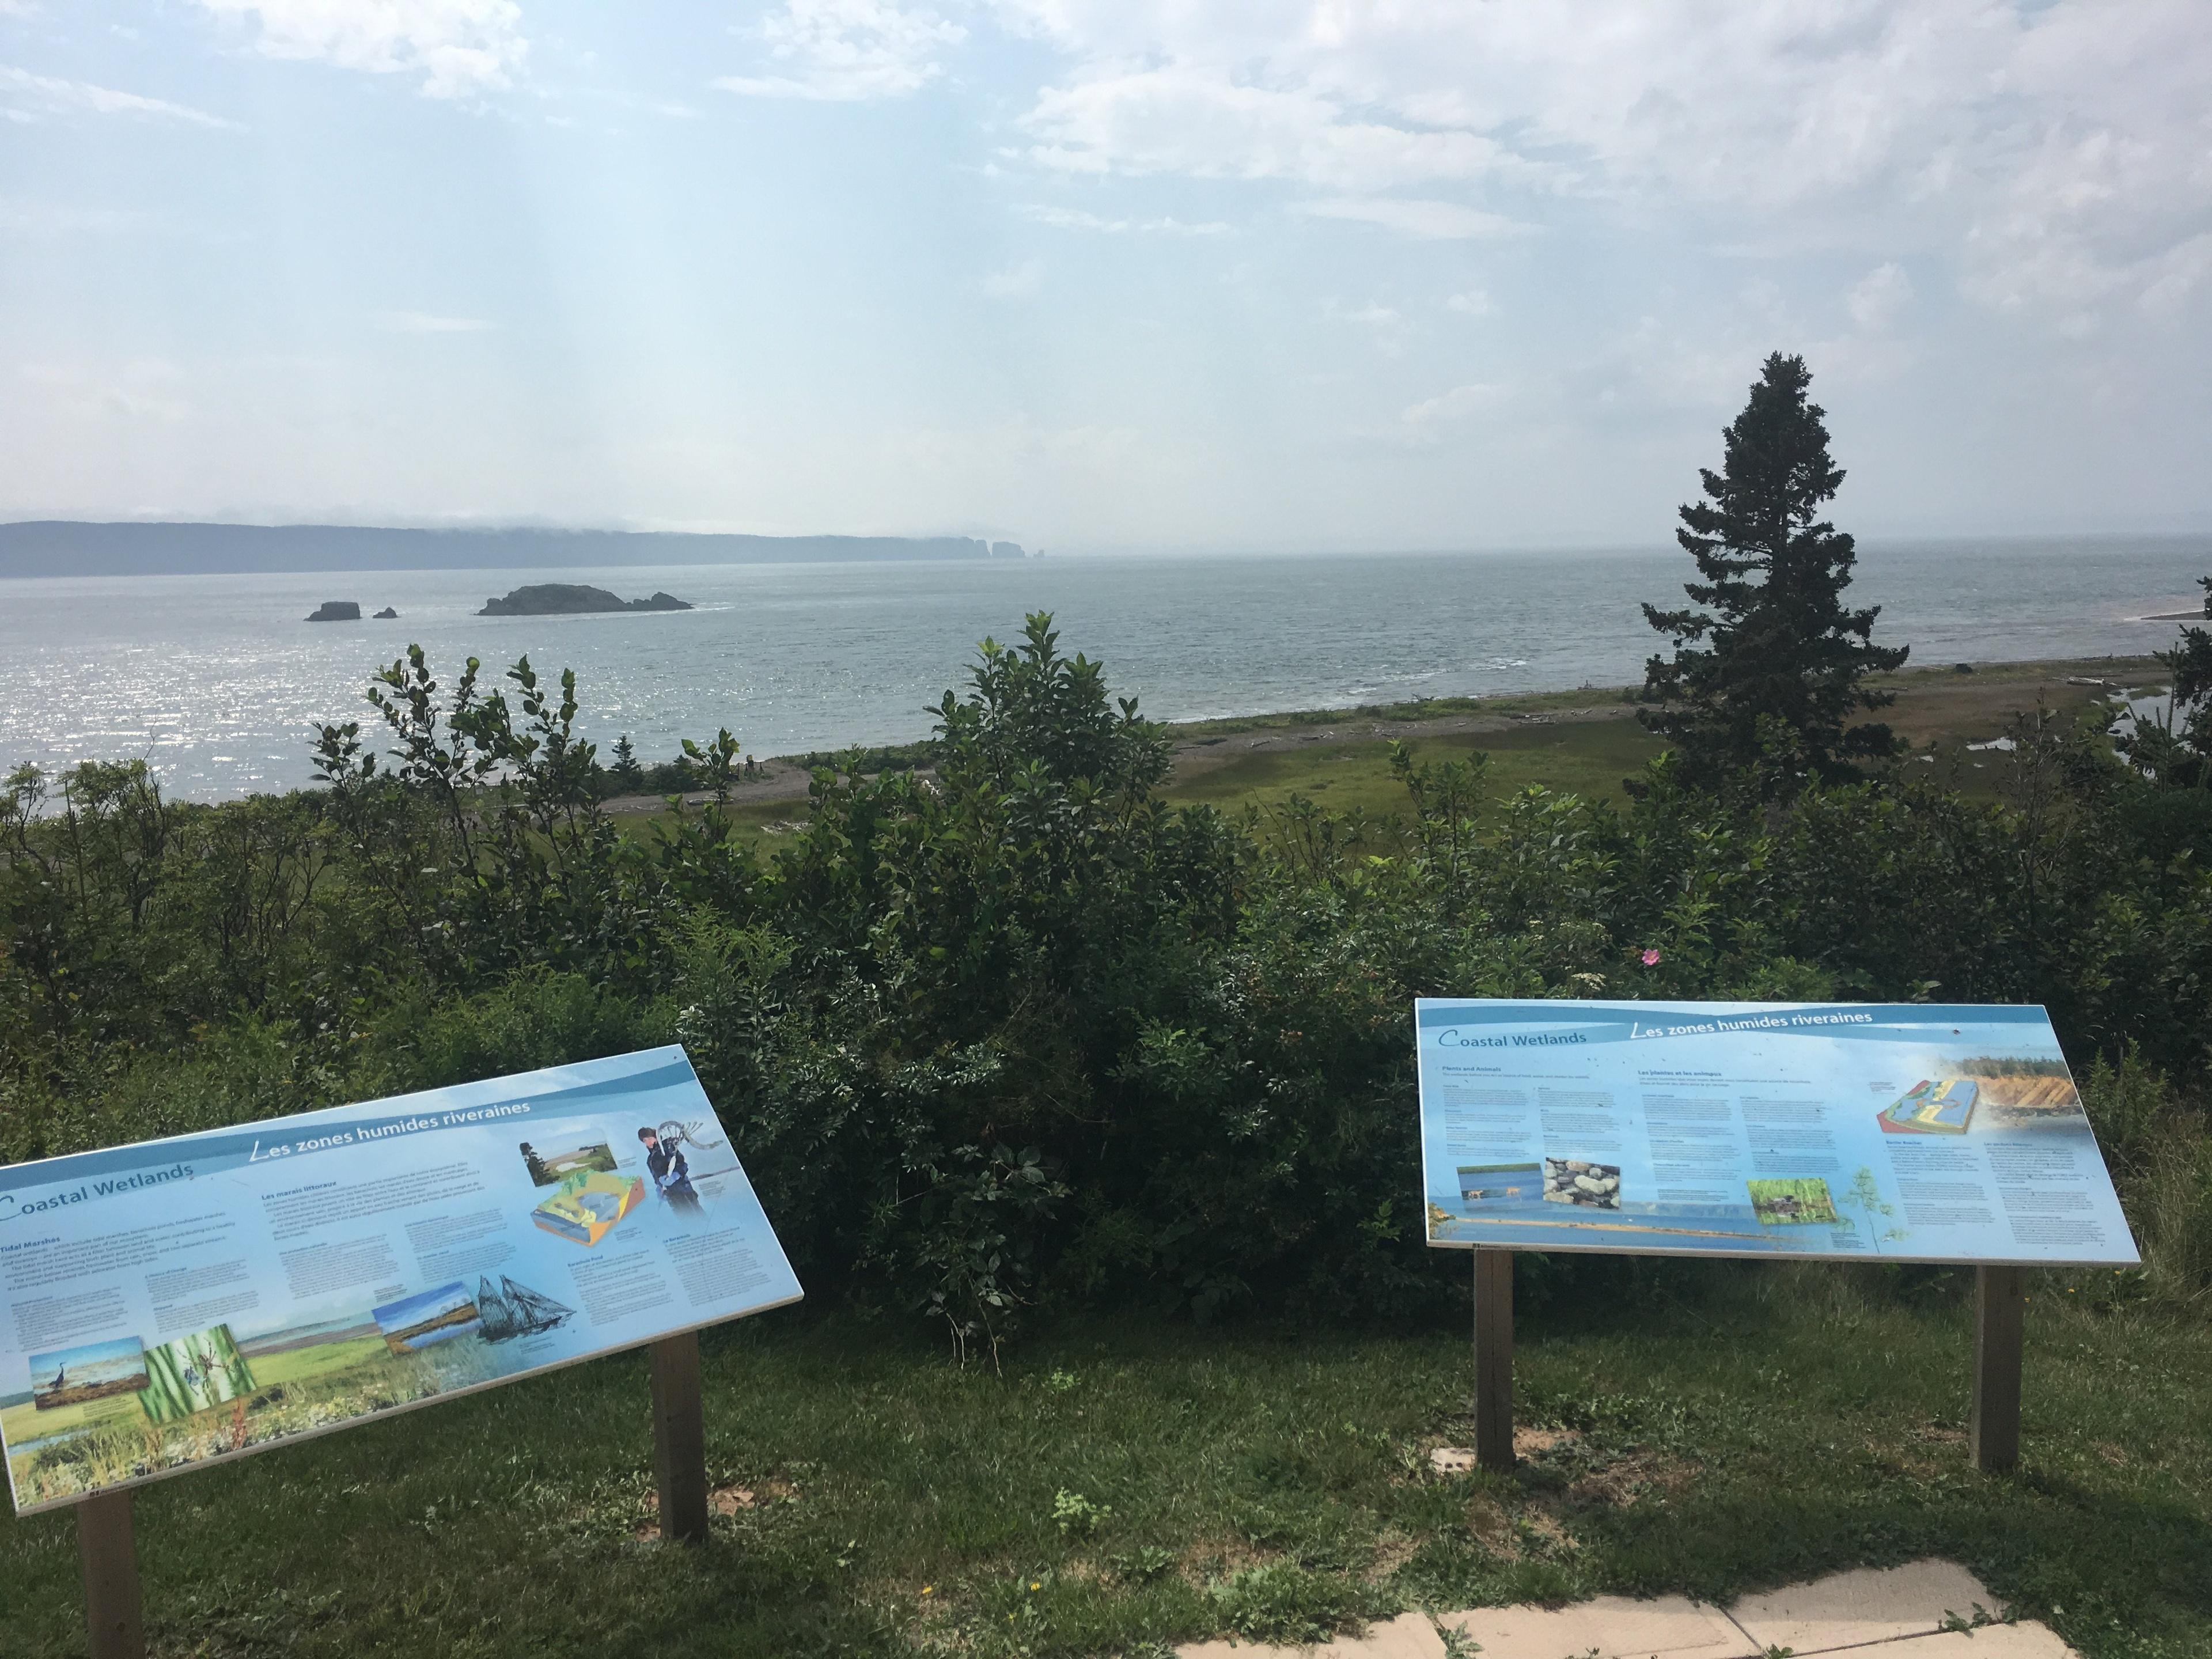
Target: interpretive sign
pixel 179 1303
pixel 1903 1132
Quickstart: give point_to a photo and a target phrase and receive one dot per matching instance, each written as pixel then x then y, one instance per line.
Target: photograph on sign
pixel 173 1303
pixel 1900 1133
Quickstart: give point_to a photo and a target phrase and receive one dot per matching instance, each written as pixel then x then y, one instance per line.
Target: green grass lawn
pixel 1709 1428
pixel 1588 758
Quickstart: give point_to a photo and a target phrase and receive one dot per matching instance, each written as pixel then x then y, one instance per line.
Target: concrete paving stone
pixel 2025 1640
pixel 1868 1604
pixel 1409 1636
pixel 1613 1627
pixel 1895 1608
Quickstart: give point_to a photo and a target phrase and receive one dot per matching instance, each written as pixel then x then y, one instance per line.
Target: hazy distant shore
pixel 64 547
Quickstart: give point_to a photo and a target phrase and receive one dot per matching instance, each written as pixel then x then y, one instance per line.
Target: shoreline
pixel 1199 747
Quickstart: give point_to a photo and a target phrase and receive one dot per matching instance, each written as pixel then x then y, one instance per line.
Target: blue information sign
pixel 1899 1133
pixel 182 1302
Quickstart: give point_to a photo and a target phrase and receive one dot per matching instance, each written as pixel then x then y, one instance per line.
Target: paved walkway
pixel 1916 1612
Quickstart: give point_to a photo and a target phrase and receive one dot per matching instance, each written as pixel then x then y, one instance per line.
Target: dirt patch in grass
pixel 1392 1551
pixel 1214 1558
pixel 1630 1479
pixel 724 1501
pixel 1927 1451
pixel 1489 1524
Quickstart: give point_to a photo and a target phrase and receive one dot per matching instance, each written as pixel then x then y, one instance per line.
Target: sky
pixel 1101 274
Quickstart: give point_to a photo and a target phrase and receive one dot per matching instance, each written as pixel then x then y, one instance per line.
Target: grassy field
pixel 1588 742
pixel 25 1423
pixel 1350 773
pixel 1584 741
pixel 1709 1428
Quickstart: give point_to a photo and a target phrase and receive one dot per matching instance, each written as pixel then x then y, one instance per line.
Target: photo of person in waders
pixel 670 1174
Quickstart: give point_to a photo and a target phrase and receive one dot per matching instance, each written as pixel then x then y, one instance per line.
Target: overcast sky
pixel 1100 273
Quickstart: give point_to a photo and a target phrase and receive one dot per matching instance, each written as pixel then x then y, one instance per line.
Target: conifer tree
pixel 1767 656
pixel 627 773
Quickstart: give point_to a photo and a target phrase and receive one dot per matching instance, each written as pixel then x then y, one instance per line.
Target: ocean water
pixel 218 682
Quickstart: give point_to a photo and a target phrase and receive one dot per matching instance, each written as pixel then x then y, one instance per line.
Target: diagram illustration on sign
pixel 170 1304
pixel 1906 1132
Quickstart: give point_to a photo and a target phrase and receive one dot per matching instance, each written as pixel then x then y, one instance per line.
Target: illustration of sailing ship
pixel 515 1310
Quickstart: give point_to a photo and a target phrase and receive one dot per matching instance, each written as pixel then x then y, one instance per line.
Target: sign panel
pixel 1898 1132
pixel 181 1302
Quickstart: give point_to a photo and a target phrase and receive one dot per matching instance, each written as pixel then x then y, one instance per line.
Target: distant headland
pixel 61 547
pixel 572 599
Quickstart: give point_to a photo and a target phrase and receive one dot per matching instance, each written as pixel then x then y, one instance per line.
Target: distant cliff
pixel 572 599
pixel 67 548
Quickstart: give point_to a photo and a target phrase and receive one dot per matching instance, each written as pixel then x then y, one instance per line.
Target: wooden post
pixel 1494 1358
pixel 1999 1328
pixel 679 1439
pixel 113 1613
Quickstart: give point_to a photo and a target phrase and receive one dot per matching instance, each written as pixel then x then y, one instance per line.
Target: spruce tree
pixel 1770 654
pixel 627 774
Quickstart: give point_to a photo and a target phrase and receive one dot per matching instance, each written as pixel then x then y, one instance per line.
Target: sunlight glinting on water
pixel 218 682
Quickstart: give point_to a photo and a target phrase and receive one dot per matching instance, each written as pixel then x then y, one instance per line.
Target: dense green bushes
pixel 1010 1029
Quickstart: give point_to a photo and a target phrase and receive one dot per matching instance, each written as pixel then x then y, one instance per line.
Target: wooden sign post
pixel 1493 1358
pixel 113 1613
pixel 1999 1331
pixel 679 1439
pixel 2000 1294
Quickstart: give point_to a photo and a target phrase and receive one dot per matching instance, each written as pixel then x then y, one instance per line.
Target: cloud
pixel 1418 422
pixel 46 94
pixel 848 50
pixel 458 46
pixel 1062 218
pixel 2055 153
pixel 29 217
pixel 1181 118
pixel 1386 326
pixel 1877 299
pixel 1372 316
pixel 1430 220
pixel 2177 274
pixel 146 390
pixel 1016 281
pixel 1473 303
pixel 423 322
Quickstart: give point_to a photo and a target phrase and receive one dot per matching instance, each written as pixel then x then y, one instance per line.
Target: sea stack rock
pixel 336 610
pixel 1006 550
pixel 572 599
pixel 385 615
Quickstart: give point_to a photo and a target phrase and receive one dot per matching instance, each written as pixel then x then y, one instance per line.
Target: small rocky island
pixel 385 615
pixel 572 599
pixel 336 610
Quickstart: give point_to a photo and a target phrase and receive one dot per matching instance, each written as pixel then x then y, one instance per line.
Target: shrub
pixel 1005 1030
